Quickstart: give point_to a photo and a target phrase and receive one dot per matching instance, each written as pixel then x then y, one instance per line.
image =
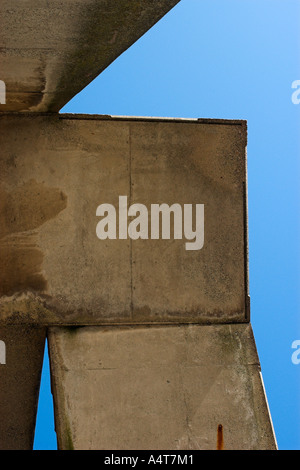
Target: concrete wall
pixel 54 173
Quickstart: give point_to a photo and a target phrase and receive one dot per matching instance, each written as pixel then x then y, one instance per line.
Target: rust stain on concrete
pixel 21 213
pixel 220 438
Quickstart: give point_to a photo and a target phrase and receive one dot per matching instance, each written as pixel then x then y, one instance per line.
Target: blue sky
pixel 229 59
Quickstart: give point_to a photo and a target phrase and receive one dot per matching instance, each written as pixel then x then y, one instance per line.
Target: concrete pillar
pixel 157 388
pixel 19 384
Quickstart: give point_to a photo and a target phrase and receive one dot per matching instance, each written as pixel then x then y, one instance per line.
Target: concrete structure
pixel 55 270
pixel 159 387
pixel 50 50
pixel 144 335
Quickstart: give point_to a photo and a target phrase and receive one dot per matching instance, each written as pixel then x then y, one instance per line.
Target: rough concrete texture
pixel 167 387
pixel 19 385
pixel 54 173
pixel 50 50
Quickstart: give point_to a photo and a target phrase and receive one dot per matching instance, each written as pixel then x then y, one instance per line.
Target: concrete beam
pixel 55 171
pixel 50 50
pixel 19 385
pixel 176 388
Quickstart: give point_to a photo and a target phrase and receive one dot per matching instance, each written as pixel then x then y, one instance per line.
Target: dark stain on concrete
pixel 107 29
pixel 220 438
pixel 29 207
pixel 21 213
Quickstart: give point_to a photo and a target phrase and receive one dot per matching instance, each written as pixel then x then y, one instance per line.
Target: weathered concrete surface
pixel 56 170
pixel 167 387
pixel 19 385
pixel 50 50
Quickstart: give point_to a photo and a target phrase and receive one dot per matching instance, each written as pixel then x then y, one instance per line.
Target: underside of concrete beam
pixel 20 375
pixel 177 387
pixel 50 50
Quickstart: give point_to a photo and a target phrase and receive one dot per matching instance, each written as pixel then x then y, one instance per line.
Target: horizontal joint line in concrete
pixel 120 324
pixel 92 117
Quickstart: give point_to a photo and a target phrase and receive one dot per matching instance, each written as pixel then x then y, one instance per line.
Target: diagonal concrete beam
pixel 51 49
pixel 159 388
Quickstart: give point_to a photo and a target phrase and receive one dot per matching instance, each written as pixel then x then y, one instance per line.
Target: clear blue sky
pixel 229 59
